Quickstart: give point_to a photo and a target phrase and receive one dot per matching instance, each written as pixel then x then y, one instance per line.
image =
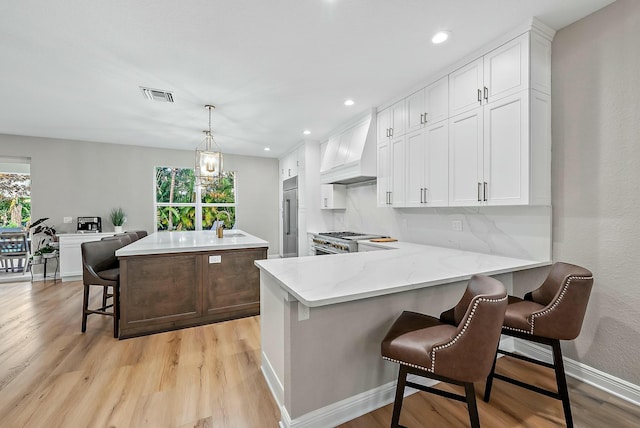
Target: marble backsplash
pixel 514 231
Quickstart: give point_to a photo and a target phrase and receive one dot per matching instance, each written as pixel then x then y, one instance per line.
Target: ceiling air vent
pixel 157 95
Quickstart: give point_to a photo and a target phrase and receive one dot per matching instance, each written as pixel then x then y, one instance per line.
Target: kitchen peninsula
pixel 171 280
pixel 323 318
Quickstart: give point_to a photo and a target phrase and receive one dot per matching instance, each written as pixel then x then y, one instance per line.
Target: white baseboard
pixel 360 404
pixel 357 405
pixel 594 377
pixel 274 384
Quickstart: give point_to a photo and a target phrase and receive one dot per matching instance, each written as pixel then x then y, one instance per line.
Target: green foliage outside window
pixel 176 218
pixel 177 186
pixel 15 200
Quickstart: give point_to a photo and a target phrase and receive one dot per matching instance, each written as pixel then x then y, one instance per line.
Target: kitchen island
pixel 171 280
pixel 323 318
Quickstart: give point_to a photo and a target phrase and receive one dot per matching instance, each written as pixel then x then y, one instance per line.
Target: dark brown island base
pixel 172 280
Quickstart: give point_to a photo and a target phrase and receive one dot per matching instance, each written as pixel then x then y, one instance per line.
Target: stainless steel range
pixel 338 242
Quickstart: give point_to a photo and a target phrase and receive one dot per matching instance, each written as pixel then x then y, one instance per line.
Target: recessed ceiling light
pixel 306 132
pixel 349 102
pixel 267 149
pixel 439 37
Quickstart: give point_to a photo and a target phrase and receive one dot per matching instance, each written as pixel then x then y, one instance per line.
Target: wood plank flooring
pixel 51 375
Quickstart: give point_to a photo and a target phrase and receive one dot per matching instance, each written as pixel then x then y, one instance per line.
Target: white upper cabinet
pixel 465 85
pixel 428 106
pixel 506 69
pixel 466 158
pixel 391 121
pixel 479 136
pixel 289 165
pixel 503 71
pixel 333 196
pixel 427 158
pixel 384 173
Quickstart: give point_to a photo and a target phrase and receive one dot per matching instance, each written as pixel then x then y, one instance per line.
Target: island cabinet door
pixel 232 283
pixel 159 292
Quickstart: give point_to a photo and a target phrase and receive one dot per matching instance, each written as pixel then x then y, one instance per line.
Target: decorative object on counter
pixel 118 218
pixel 208 159
pixel 221 218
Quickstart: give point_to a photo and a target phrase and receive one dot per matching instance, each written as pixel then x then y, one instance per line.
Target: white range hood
pixel 350 153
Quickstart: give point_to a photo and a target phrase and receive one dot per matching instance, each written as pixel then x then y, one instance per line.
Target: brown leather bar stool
pixel 458 348
pixel 141 233
pixel 100 268
pixel 551 313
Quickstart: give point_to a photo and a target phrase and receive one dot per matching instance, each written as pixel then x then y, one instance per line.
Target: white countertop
pixel 325 280
pixel 184 242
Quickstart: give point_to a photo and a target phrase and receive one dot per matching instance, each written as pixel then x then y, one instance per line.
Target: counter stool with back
pixel 551 313
pixel 100 268
pixel 458 348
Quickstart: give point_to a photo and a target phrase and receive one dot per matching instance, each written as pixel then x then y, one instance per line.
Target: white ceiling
pixel 71 68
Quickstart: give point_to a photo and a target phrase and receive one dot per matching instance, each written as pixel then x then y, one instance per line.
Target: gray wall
pixel 595 173
pixel 72 178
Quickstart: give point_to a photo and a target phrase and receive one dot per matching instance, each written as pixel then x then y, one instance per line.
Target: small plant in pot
pixel 118 218
pixel 43 234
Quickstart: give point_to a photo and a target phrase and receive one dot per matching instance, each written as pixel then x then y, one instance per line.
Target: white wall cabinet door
pixel 391 121
pixel 384 174
pixel 436 193
pixel 415 148
pixel 333 196
pixel 506 153
pixel 398 172
pixel 506 69
pixel 415 108
pixel 437 101
pixel 465 158
pixel 465 88
pixel 289 166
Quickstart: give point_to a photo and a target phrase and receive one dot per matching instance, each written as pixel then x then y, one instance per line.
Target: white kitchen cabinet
pixel 497 156
pixel 289 165
pixel 427 154
pixel 502 72
pixel 384 173
pixel 391 121
pixel 71 253
pixel 428 106
pixel 333 196
pixel 398 172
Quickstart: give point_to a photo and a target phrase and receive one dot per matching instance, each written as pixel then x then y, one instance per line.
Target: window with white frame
pixel 182 205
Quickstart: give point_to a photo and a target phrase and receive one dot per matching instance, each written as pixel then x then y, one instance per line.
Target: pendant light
pixel 208 156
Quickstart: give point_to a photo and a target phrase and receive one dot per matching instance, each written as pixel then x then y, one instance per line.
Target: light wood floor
pixel 51 375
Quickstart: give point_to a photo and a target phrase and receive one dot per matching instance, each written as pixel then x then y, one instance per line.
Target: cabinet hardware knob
pixel 479 190
pixel 485 191
pixel 479 96
pixel 486 93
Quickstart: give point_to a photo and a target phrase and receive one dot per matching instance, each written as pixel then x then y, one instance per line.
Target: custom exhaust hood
pixel 350 153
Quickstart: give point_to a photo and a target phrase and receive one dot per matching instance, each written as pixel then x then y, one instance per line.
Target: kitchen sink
pixel 232 234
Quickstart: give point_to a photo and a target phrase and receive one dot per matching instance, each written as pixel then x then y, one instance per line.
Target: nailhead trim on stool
pixel 565 287
pixel 451 342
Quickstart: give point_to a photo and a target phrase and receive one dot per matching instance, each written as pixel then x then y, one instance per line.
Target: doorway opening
pixel 15 216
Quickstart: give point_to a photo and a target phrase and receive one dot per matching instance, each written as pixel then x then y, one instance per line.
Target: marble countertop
pixel 325 280
pixel 184 242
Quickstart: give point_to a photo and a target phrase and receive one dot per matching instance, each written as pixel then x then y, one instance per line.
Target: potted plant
pixel 45 234
pixel 118 217
pixel 48 251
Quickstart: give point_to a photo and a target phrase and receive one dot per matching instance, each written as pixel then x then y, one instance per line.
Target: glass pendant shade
pixel 208 159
